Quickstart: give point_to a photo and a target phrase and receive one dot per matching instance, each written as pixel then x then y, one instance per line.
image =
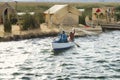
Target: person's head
pixel 63 32
pixel 70 32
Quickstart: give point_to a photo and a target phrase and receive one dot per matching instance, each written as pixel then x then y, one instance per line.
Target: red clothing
pixel 98 10
pixel 71 36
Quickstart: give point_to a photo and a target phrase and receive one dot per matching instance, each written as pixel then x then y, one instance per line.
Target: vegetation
pixel 33 21
pixel 84 14
pixel 39 16
pixel 32 6
pixel 29 22
pixel 13 19
pixel 7 26
pixel 117 14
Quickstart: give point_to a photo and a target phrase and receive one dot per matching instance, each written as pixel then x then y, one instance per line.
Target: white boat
pixel 62 46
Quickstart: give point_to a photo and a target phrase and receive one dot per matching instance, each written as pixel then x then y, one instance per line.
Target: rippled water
pixel 97 58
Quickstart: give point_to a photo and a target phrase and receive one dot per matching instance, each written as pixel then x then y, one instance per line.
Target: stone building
pixel 62 15
pixel 6 11
pixel 103 15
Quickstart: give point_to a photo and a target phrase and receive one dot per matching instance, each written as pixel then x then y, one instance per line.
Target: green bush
pixel 39 16
pixel 117 16
pixel 88 12
pixel 7 26
pixel 13 19
pixel 30 22
pixel 82 19
pixel 117 13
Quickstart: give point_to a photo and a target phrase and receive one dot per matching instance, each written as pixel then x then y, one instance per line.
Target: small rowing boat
pixel 62 46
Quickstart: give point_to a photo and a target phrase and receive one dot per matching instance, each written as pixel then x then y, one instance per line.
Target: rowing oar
pixel 76 44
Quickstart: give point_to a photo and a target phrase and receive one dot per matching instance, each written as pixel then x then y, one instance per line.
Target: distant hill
pixel 78 0
pixel 61 0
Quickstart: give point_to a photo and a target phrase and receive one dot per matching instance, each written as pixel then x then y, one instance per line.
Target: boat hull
pixel 62 46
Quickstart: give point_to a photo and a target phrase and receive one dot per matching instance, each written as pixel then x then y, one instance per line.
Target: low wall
pixel 16 30
pixel 2 31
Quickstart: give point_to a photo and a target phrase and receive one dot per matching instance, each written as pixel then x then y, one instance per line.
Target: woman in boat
pixel 71 35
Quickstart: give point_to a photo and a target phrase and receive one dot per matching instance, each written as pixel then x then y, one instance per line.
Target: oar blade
pixel 76 44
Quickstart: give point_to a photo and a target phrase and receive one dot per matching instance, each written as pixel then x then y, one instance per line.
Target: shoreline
pixel 27 36
pixel 45 32
pixel 31 36
pixel 34 35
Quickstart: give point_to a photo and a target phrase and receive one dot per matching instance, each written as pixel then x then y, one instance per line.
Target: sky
pixel 61 0
pixel 18 0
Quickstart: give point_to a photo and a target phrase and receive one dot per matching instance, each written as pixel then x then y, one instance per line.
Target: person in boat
pixel 71 35
pixel 62 37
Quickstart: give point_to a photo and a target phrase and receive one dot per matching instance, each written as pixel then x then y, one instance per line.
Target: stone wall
pixel 16 30
pixel 2 31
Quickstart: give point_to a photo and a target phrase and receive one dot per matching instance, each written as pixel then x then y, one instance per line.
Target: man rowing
pixel 71 35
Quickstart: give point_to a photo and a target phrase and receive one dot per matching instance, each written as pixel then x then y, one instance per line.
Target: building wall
pixel 10 10
pixel 106 17
pixel 63 16
pixel 61 12
pixel 16 30
pixel 2 31
pixel 94 13
pixel 71 20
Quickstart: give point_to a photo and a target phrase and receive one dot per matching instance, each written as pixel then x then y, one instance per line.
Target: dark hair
pixel 63 32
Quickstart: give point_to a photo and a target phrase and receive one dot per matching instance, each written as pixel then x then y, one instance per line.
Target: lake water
pixel 97 58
